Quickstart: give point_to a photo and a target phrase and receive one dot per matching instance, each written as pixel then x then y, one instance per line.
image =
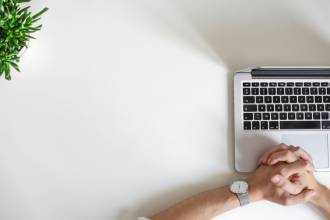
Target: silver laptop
pixel 275 105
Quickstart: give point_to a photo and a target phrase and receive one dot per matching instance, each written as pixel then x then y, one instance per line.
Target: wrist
pixel 320 193
pixel 255 191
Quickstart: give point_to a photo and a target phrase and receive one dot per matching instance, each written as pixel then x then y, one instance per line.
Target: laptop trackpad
pixel 315 144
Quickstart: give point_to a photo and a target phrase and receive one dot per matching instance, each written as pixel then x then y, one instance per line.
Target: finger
pixel 285 184
pixel 305 196
pixel 265 156
pixel 302 153
pixel 290 155
pixel 282 156
pixel 296 167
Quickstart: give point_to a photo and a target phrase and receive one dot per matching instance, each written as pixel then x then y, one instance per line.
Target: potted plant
pixel 17 24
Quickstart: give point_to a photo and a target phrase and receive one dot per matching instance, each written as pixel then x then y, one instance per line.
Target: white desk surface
pixel 124 107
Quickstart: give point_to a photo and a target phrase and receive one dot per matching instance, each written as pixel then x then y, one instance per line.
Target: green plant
pixel 17 24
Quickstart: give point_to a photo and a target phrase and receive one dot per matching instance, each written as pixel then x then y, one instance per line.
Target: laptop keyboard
pixel 286 105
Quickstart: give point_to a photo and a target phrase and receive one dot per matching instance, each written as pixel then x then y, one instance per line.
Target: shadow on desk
pixel 236 36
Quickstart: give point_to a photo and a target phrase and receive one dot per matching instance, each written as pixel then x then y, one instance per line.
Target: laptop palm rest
pixel 315 144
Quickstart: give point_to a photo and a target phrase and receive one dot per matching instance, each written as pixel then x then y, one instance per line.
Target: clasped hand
pixel 285 175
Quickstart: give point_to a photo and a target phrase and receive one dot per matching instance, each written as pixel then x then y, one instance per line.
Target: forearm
pixel 203 206
pixel 322 200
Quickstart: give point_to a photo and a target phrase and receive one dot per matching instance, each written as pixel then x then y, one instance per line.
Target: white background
pixel 124 107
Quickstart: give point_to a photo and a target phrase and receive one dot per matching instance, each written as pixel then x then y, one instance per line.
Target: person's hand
pixel 262 186
pixel 297 174
pixel 284 153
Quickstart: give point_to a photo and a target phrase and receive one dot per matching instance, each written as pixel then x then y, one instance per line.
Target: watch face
pixel 239 186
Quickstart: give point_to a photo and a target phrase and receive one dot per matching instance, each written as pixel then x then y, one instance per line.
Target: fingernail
pixel 276 179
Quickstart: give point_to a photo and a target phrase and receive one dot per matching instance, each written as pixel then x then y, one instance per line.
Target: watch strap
pixel 243 198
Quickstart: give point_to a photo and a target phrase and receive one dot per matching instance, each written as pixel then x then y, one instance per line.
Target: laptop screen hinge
pixel 291 72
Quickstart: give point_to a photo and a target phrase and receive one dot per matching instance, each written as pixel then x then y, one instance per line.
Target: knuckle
pixel 304 164
pixel 283 146
pixel 287 153
pixel 282 170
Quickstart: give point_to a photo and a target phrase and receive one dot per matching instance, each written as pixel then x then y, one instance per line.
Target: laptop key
pixel 276 99
pixel 328 91
pixel 247 125
pixel 300 125
pixel 250 108
pixel 283 116
pixel 318 99
pixel 322 91
pixel 246 84
pixel 274 116
pixel 308 116
pixel 263 91
pixel 281 84
pixel 305 91
pixel 295 108
pixel 326 99
pixel 307 84
pixel 289 84
pixel 325 124
pixel 298 84
pixel 287 107
pixel 248 116
pixel 288 91
pixel 300 116
pixel 255 91
pixel 325 115
pixel 297 91
pixel 255 125
pixel 272 84
pixel 291 116
pixel 278 108
pixel 293 99
pixel 280 91
pixel 316 84
pixel 270 108
pixel 272 91
pixel 264 125
pixel 320 107
pixel 324 83
pixel 273 125
pixel 248 99
pixel 264 84
pixel 327 107
pixel 312 107
pixel 303 107
pixel 313 91
pixel 255 84
pixel 265 116
pixel 284 99
pixel 316 115
pixel 310 99
pixel 246 91
pixel 261 108
pixel 259 99
pixel 257 116
pixel 301 99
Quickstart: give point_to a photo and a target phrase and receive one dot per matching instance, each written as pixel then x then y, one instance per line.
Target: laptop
pixel 275 105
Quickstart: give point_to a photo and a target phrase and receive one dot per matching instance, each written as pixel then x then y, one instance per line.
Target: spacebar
pixel 300 124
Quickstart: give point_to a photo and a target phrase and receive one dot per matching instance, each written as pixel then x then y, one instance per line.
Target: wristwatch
pixel 240 189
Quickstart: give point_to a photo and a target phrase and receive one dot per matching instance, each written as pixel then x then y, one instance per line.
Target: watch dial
pixel 239 187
